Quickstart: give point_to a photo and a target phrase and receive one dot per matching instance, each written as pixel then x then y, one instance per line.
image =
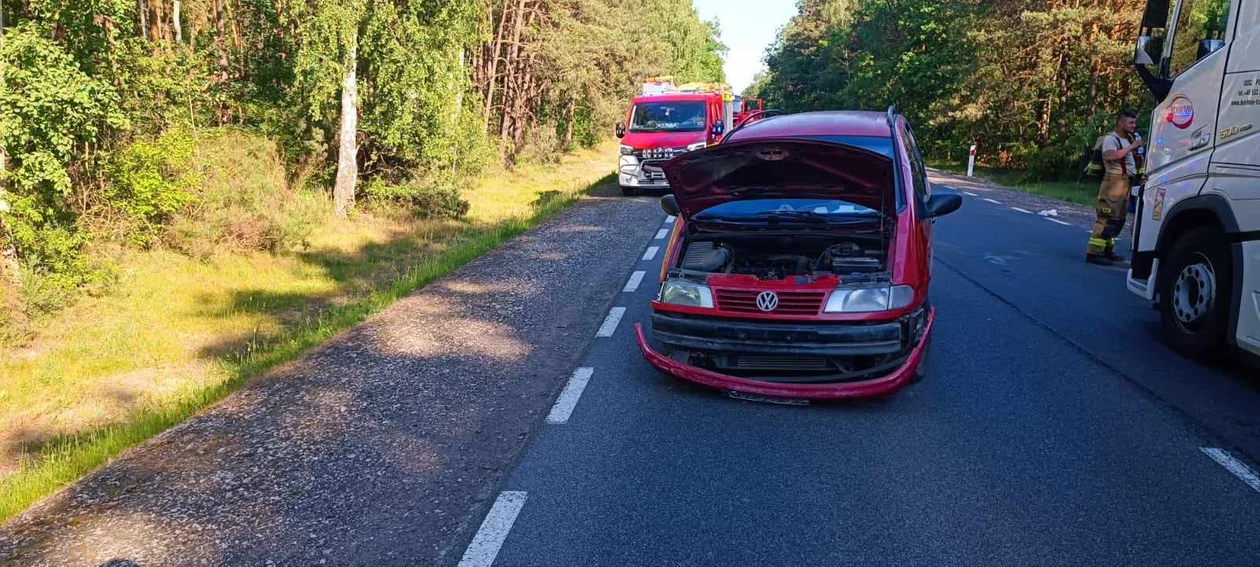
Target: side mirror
pixel 620 130
pixel 1149 50
pixel 718 129
pixel 943 204
pixel 669 204
pixel 1210 46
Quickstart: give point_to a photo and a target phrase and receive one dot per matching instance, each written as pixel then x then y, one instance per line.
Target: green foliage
pixel 1031 83
pixel 151 181
pixel 241 201
pixel 436 199
pixel 52 114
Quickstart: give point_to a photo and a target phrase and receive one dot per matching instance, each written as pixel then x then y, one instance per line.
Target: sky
pixel 748 28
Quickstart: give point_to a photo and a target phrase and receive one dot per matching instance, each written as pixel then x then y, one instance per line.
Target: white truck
pixel 1196 247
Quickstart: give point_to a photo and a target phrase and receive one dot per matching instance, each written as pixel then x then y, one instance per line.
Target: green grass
pixel 1080 193
pixel 329 295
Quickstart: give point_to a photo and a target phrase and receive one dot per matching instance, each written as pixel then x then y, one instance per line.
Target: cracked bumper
pixel 883 385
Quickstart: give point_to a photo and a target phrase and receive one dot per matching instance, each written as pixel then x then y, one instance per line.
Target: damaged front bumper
pixel 789 361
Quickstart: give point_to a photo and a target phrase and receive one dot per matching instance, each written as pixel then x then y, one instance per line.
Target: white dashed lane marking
pixel 1025 211
pixel 662 233
pixel 568 399
pixel 669 220
pixel 635 279
pixel 1057 221
pixel 992 201
pixel 651 253
pixel 494 530
pixel 970 194
pixel 610 323
pixel 1240 469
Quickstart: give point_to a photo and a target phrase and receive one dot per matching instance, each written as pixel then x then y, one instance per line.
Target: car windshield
pixel 686 116
pixel 788 209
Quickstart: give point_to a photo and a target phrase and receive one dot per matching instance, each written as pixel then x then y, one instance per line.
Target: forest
pixel 1031 82
pixel 194 192
pixel 110 111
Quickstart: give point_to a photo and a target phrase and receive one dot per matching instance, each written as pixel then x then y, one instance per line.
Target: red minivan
pixel 800 261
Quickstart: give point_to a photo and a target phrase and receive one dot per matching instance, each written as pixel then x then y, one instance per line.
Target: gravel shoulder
pixel 382 447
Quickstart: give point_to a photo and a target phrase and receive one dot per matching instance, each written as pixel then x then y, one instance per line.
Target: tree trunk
pixel 568 125
pixel 348 150
pixel 1095 72
pixel 218 41
pixel 513 65
pixel 143 8
pixel 155 23
pixel 179 26
pixel 493 73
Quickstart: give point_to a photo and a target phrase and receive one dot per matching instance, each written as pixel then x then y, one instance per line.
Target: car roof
pixel 823 123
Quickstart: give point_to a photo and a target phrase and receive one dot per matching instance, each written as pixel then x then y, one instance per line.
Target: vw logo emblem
pixel 767 301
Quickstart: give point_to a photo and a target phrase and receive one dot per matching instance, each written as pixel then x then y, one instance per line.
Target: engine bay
pixel 779 257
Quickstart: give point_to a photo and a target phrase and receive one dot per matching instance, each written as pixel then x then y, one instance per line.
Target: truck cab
pixel 665 121
pixel 1196 253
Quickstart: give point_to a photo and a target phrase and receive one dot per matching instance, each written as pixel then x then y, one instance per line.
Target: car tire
pixel 628 191
pixel 1196 290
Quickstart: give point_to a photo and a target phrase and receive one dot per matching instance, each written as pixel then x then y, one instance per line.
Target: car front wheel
pixel 1195 292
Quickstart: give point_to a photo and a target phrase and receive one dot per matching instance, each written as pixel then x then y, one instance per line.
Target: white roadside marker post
pixel 971 160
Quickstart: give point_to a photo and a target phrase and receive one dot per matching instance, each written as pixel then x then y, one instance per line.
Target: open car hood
pixel 781 167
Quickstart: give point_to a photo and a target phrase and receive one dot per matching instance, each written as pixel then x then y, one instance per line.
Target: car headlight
pixel 627 150
pixel 687 294
pixel 869 299
pixel 697 146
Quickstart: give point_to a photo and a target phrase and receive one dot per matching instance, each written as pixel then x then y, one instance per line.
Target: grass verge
pixel 1080 193
pixel 63 458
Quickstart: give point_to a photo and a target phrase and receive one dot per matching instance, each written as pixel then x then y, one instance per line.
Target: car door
pixel 922 192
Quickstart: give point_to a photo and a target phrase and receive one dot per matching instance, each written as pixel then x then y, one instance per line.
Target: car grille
pixel 790 302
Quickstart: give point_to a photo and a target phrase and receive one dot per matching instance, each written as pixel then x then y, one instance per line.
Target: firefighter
pixel 1119 153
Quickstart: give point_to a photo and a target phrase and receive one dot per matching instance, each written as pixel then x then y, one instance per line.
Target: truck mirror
pixel 669 204
pixel 620 130
pixel 1149 50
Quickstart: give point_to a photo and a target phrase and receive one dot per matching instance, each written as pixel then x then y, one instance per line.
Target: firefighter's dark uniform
pixel 1113 198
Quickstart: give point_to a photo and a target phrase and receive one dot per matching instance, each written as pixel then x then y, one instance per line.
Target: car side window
pixel 918 169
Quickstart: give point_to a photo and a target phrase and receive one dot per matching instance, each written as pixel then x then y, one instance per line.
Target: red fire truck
pixel 666 120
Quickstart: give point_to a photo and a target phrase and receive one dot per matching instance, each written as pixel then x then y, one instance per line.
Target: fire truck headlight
pixel 627 150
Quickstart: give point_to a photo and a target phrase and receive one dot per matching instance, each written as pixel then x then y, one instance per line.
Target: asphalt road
pixel 1053 428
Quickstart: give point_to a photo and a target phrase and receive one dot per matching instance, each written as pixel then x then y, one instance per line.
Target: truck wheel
pixel 628 191
pixel 1195 291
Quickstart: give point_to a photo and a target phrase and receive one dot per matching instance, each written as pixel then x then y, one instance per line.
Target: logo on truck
pixel 1181 112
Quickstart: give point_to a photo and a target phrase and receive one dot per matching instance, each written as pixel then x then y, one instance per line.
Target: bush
pixel 438 199
pixel 242 201
pixel 151 181
pixel 52 116
pixel 541 145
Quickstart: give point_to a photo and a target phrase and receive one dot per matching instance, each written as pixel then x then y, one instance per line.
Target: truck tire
pixel 628 191
pixel 1195 291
